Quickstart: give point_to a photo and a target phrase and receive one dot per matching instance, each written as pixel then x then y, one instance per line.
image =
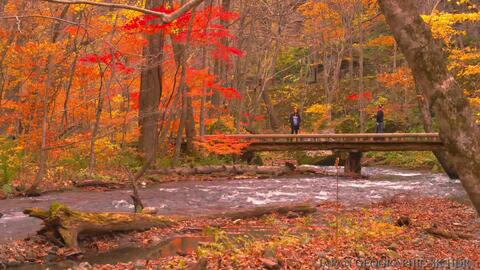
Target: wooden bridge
pixel 354 144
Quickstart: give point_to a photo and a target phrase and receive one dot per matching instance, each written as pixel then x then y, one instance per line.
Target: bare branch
pixel 39 16
pixel 166 18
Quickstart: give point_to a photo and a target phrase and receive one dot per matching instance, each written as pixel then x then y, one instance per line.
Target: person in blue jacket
pixel 295 121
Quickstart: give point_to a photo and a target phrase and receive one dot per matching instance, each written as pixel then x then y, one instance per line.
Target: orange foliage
pixel 97 64
pixel 382 41
pixel 401 78
pixel 222 145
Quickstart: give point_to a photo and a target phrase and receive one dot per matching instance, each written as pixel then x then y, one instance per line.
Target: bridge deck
pixel 348 142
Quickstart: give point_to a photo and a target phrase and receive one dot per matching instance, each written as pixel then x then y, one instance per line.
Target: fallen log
pixel 97 183
pixel 190 171
pixel 301 209
pixel 249 169
pixel 234 169
pixel 435 231
pixel 221 169
pixel 310 169
pixel 273 170
pixel 211 169
pixel 67 224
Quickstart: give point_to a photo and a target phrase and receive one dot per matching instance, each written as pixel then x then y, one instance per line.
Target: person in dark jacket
pixel 379 118
pixel 295 121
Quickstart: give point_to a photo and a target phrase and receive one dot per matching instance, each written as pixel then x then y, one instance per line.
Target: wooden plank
pixel 347 146
pixel 343 142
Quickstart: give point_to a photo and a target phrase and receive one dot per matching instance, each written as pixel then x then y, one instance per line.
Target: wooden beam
pixel 349 135
pixel 359 146
pixel 346 142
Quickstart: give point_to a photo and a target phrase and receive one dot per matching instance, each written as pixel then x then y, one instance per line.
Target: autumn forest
pixel 162 134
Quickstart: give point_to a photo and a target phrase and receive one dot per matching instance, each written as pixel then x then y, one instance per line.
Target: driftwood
pixel 310 169
pixel 301 209
pixel 60 221
pixel 272 170
pixel 236 170
pixel 435 231
pixel 192 171
pixel 97 183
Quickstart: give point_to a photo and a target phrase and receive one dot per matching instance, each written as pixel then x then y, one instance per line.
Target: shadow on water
pixel 179 245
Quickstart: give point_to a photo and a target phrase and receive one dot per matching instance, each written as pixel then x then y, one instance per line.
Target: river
pixel 194 197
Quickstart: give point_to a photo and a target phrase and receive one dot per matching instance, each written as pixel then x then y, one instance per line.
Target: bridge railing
pixel 319 138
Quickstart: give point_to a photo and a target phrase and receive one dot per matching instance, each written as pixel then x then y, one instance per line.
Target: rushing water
pixel 193 197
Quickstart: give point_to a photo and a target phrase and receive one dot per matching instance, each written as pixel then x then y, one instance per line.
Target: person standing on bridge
pixel 379 117
pixel 295 121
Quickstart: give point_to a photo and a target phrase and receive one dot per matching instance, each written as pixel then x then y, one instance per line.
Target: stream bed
pixel 198 198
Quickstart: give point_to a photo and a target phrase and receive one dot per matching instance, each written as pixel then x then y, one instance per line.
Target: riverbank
pixel 179 174
pixel 270 164
pixel 411 160
pixel 202 197
pixel 405 160
pixel 422 228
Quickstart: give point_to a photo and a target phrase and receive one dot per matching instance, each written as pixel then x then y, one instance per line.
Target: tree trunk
pixel 220 68
pixel 187 122
pixel 3 54
pixel 151 88
pixel 203 100
pixel 326 82
pixel 60 221
pixel 3 3
pixel 64 123
pixel 361 87
pixel 42 157
pixel 458 130
pixel 395 48
pixel 187 108
pixel 240 69
pixel 299 209
pixel 271 111
pixel 335 88
pixel 101 99
pixel 441 155
pixel 181 127
pixel 190 131
pixel 96 125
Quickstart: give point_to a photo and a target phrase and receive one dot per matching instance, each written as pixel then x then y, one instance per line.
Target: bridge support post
pixel 353 164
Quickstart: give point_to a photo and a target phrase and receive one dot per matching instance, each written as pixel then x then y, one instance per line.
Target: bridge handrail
pixel 333 135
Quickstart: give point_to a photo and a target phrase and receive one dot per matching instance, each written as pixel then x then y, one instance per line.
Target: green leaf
pixel 7 188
